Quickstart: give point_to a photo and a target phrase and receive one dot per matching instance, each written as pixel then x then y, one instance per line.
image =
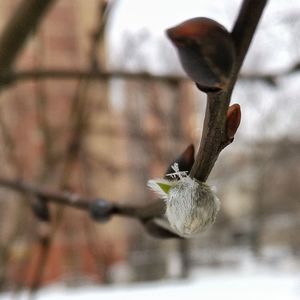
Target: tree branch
pixel 24 20
pixel 83 203
pixel 271 77
pixel 214 135
pixel 11 77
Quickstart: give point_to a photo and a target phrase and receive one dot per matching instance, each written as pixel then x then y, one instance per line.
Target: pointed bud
pixel 185 160
pixel 233 120
pixel 206 51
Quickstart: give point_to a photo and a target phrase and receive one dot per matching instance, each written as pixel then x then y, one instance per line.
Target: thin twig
pixel 44 241
pixel 80 202
pixel 10 77
pixel 271 77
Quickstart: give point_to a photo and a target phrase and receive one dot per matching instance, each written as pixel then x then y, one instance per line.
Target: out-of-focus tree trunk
pixel 258 211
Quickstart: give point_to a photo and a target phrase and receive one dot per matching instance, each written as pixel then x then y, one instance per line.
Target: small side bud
pixel 185 160
pixel 40 208
pixel 233 120
pixel 101 210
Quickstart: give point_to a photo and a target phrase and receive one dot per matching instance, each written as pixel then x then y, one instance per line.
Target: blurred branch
pixel 23 21
pixel 9 145
pixel 39 207
pixel 41 105
pixel 11 77
pixel 97 37
pixel 214 137
pixel 271 78
pixel 17 218
pixel 71 74
pixel 77 201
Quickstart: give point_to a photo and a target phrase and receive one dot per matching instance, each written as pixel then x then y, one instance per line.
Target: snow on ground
pixel 209 284
pixel 275 276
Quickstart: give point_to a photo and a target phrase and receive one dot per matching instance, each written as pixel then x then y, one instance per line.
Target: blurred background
pixel 105 136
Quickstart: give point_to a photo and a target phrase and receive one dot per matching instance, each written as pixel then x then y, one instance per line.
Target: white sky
pixel 139 25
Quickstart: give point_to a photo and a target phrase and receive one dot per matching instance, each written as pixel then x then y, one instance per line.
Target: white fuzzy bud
pixel 192 206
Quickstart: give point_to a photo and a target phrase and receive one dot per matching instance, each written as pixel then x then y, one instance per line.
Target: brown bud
pixel 233 120
pixel 185 160
pixel 206 51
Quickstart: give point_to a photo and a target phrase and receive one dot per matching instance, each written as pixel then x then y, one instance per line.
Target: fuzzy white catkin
pixel 191 207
